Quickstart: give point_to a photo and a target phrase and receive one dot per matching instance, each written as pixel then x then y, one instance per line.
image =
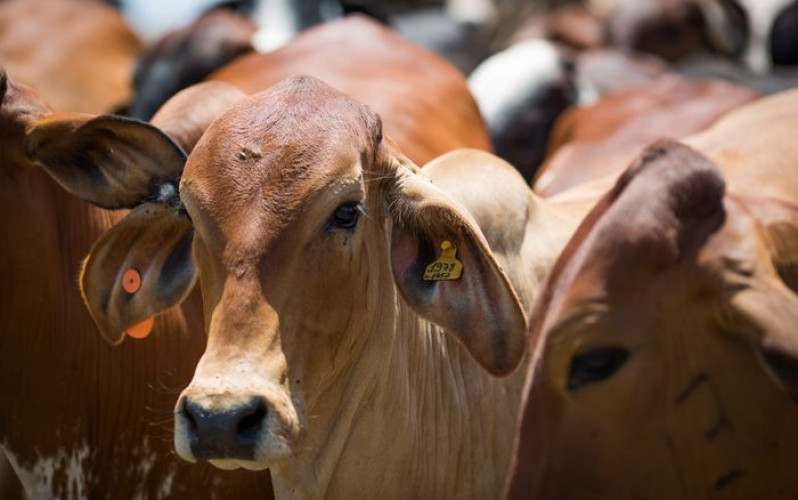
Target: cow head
pixel 663 326
pixel 311 235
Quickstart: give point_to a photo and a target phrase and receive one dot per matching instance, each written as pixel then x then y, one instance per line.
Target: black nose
pixel 228 433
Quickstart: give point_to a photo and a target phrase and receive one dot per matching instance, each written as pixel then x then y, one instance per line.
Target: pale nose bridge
pixel 245 322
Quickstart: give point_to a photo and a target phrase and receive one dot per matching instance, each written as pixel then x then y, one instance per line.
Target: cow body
pixel 594 141
pixel 665 341
pixel 77 418
pixel 41 42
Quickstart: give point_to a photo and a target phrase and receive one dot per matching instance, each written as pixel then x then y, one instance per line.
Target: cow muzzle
pixel 231 432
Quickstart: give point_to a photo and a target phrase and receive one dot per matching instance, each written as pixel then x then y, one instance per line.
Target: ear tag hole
pixel 447 267
pixel 131 281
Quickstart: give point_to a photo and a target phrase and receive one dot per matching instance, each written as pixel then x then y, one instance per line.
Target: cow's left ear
pixel 446 272
pixel 111 161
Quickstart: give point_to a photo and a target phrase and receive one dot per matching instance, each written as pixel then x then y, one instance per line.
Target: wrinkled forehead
pixel 281 145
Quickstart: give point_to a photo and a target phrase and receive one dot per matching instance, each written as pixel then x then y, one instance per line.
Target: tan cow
pixel 78 54
pixel 328 356
pixel 78 419
pixel 664 348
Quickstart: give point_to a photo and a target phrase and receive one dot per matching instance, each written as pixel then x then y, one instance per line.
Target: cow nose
pixel 230 433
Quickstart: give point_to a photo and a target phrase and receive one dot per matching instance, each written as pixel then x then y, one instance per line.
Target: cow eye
pixel 595 365
pixel 346 215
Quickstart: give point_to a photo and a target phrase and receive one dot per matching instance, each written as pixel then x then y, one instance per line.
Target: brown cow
pixel 328 358
pixel 78 419
pixel 594 141
pixel 406 85
pixel 664 351
pixel 78 54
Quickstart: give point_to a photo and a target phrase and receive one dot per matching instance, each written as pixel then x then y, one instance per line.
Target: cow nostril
pixel 250 426
pixel 190 421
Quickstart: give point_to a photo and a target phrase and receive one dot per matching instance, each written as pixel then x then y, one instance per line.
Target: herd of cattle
pixel 349 271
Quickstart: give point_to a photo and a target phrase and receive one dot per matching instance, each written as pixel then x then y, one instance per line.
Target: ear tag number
pixel 131 283
pixel 447 267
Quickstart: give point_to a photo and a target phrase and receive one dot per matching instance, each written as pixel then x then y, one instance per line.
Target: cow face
pixel 311 237
pixel 666 345
pixel 304 219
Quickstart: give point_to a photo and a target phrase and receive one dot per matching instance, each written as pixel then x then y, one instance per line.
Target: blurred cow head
pixel 666 354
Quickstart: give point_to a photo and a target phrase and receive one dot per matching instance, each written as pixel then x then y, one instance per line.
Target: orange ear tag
pixel 447 267
pixel 142 329
pixel 131 283
pixel 131 280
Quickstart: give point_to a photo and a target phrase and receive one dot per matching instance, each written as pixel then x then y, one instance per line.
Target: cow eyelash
pixel 346 216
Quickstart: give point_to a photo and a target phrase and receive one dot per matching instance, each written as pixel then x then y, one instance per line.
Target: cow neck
pixel 404 407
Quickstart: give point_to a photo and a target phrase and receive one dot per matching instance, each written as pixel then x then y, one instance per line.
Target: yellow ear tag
pixel 447 267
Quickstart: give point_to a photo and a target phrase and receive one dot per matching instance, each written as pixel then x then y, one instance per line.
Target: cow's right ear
pixel 111 161
pixel 139 268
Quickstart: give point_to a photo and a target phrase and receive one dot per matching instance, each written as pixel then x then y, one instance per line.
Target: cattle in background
pixel 78 54
pixel 408 86
pixel 671 29
pixel 462 43
pixel 520 92
pixel 591 142
pixel 78 419
pixel 601 72
pixel 666 337
pixel 187 56
pixel 762 33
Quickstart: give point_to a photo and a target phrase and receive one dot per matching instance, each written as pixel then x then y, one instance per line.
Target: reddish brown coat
pixel 424 102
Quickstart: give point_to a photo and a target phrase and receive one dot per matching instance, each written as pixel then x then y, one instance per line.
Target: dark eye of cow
pixel 595 365
pixel 346 215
